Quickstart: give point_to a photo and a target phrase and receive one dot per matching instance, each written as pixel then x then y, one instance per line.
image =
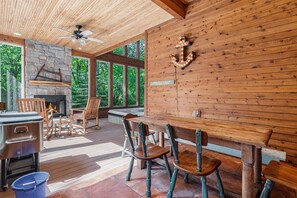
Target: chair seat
pixel 153 151
pixel 188 163
pixel 281 173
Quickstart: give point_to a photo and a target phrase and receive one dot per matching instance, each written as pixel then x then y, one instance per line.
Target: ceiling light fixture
pixel 17 34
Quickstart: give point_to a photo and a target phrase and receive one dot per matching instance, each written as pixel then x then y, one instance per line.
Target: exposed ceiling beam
pixel 81 54
pixel 135 38
pixel 110 57
pixel 11 39
pixel 174 7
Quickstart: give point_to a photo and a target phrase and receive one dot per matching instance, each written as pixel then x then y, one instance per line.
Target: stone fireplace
pixel 55 102
pixel 55 58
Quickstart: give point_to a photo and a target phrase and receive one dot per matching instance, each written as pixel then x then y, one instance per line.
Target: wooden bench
pixel 279 172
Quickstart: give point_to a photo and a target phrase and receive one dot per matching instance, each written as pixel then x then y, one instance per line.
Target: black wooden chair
pixel 144 151
pixel 191 162
pixel 134 135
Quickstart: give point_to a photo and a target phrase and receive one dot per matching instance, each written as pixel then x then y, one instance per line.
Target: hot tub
pixel 115 115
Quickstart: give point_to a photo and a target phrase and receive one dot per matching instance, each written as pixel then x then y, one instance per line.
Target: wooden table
pixel 247 138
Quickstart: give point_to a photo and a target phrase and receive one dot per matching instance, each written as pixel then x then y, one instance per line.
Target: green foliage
pixel 142 49
pixel 141 86
pixel 119 51
pixel 118 78
pixel 118 85
pixel 132 77
pixel 132 50
pixel 79 82
pixel 11 74
pixel 102 78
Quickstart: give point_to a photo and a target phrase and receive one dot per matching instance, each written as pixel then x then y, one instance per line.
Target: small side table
pixel 64 122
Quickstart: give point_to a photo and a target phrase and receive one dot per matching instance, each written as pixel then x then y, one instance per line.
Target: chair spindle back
pixel 199 138
pixel 129 128
pixel 143 132
pixel 93 106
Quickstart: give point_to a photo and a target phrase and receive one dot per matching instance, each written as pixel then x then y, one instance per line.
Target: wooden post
pixel 126 85
pixel 247 158
pixel 258 169
pixel 138 86
pixel 92 76
pixel 111 84
pixel 146 74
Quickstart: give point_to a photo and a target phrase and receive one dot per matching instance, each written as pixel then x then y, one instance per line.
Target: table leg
pixel 258 169
pixel 247 158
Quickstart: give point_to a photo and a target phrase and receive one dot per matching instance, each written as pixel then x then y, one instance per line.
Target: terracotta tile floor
pixel 116 186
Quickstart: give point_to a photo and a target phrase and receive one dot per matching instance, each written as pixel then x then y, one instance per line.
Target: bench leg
pixel 220 184
pixel 172 183
pixel 267 189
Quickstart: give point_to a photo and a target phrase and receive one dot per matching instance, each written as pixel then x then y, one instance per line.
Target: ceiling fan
pixel 81 36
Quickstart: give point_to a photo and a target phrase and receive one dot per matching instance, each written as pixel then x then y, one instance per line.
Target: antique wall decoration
pixel 182 61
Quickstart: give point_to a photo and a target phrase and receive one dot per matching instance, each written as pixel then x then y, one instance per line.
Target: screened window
pixel 141 86
pixel 11 75
pixel 102 82
pixel 118 85
pixel 80 81
pixel 132 50
pixel 132 86
pixel 142 49
pixel 119 51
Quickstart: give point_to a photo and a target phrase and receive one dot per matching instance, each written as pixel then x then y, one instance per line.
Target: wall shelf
pixel 49 83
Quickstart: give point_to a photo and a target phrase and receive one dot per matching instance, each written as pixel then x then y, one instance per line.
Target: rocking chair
pixel 89 113
pixel 38 105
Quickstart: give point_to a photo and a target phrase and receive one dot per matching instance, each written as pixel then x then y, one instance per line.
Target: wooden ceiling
pixel 112 21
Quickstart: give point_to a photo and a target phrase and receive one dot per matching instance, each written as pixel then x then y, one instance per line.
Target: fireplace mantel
pixel 49 83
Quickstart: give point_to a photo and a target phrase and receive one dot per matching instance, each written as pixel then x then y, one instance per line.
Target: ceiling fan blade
pixel 82 42
pixel 65 37
pixel 95 40
pixel 86 33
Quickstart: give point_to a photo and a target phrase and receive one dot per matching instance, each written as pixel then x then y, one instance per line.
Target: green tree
pixel 102 79
pixel 11 75
pixel 132 50
pixel 119 51
pixel 132 99
pixel 118 85
pixel 79 82
pixel 142 49
pixel 141 86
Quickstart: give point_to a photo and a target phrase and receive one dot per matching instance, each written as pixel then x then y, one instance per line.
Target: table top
pixel 225 130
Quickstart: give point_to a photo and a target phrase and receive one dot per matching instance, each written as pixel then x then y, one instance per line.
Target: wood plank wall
pixel 246 70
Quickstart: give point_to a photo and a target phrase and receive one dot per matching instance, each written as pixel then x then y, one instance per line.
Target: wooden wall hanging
pixel 182 61
pixel 51 72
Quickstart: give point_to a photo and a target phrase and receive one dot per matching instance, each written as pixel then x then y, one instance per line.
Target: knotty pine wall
pixel 246 70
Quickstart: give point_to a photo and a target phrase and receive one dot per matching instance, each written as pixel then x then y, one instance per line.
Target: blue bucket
pixel 32 185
